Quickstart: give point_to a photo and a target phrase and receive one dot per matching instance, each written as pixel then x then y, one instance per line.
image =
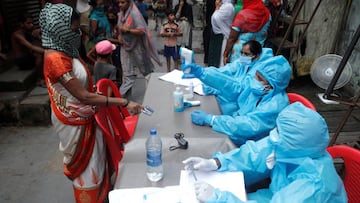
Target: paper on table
pixel 175 77
pixel 168 194
pixel 229 181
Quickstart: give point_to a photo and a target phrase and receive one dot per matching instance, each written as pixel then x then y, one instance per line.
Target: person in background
pixel 115 56
pixel 100 28
pixel 103 67
pixel 83 7
pixel 238 6
pixel 159 7
pixel 137 49
pixel 26 50
pixel 185 19
pixel 221 24
pixel 259 99
pixel 170 31
pixel 209 10
pixel 73 104
pixel 113 19
pixel 251 23
pixel 143 8
pixel 300 170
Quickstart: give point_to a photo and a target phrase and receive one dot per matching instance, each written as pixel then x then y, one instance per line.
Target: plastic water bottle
pixel 178 100
pixel 154 171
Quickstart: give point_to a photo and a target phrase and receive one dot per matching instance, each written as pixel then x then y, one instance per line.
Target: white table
pixel 203 141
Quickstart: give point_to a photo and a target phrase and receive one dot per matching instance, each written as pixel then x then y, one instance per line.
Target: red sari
pixel 81 142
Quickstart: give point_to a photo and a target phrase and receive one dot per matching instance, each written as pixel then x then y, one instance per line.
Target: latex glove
pixel 199 117
pixel 192 68
pixel 203 191
pixel 200 164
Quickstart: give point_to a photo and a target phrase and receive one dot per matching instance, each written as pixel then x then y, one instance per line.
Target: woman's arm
pixel 230 44
pixel 79 92
pixel 91 55
pixel 128 30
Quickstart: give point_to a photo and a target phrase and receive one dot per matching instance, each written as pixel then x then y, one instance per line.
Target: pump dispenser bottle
pixel 178 99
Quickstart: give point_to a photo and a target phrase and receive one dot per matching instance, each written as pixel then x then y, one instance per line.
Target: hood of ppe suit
pixel 277 72
pixel 302 132
pixel 266 53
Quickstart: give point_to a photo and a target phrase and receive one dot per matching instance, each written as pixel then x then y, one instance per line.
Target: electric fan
pixel 323 70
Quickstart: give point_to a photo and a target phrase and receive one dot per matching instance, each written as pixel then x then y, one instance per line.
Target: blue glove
pixel 192 68
pixel 199 117
pixel 188 76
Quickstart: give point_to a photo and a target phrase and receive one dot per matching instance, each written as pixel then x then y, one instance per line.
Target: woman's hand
pixel 124 29
pixel 134 108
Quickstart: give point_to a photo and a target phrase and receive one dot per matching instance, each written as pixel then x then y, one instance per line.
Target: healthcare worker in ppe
pixel 295 156
pixel 252 57
pixel 259 100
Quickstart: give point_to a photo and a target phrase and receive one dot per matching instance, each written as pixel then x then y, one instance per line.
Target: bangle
pixel 107 101
pixel 127 103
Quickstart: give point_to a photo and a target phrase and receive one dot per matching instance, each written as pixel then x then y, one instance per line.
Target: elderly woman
pixel 137 49
pixel 221 24
pixel 73 104
pixel 251 23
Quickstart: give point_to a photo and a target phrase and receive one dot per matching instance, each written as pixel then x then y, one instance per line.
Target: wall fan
pixel 323 70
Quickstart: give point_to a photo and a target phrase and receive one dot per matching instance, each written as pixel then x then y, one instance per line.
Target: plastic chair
pixel 351 179
pixel 294 97
pixel 116 123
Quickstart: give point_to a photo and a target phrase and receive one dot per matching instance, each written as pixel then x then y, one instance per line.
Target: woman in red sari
pixel 73 104
pixel 251 23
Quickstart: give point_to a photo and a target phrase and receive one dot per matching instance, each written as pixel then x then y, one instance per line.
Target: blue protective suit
pixel 238 71
pixel 255 114
pixel 259 36
pixel 303 170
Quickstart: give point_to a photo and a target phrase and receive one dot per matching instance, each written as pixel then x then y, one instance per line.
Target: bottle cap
pixel 153 131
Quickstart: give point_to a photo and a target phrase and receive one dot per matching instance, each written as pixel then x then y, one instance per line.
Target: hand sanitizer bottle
pixel 178 100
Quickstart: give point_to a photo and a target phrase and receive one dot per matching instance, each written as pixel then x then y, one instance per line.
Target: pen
pixel 193 171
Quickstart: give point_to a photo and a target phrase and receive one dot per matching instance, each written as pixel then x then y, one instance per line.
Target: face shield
pixel 273 140
pixel 300 133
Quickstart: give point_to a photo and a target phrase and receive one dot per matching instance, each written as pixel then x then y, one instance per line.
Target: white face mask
pixel 245 60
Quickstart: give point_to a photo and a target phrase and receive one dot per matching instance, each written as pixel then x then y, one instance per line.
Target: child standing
pixel 103 67
pixel 170 31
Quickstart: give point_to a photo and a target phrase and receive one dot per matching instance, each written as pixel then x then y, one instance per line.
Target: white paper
pixel 225 181
pixel 175 77
pixel 168 194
